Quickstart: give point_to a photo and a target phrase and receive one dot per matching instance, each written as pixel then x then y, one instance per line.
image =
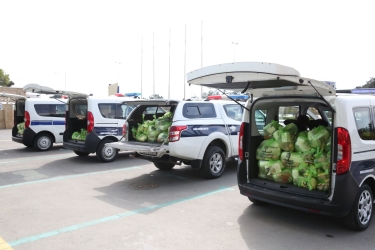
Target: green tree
pixel 369 84
pixel 5 79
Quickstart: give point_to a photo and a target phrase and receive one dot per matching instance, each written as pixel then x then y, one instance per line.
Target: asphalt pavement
pixel 57 200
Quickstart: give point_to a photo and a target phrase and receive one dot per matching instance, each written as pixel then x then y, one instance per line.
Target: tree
pixel 369 84
pixel 5 79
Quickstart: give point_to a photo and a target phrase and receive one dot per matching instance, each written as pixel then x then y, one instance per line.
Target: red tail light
pixel 90 122
pixel 27 119
pixel 344 151
pixel 124 130
pixel 175 132
pixel 240 141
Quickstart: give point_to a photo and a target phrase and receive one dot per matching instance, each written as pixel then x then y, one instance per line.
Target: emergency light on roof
pixel 133 94
pixel 224 97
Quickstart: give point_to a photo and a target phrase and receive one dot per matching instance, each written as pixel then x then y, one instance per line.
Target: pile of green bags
pixel 156 130
pixel 21 128
pixel 303 158
pixel 80 136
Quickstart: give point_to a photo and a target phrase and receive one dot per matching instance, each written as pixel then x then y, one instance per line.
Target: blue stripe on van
pixel 58 122
pixel 203 130
pixel 108 130
pixel 35 123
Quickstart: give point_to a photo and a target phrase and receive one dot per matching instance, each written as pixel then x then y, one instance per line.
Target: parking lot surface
pixel 57 200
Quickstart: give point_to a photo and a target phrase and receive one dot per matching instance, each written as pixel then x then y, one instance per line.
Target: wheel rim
pixel 44 142
pixel 108 152
pixel 216 163
pixel 364 207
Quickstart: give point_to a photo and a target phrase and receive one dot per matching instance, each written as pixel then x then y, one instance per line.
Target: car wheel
pixel 213 164
pixel 79 153
pixel 164 165
pixel 360 216
pixel 43 142
pixel 256 202
pixel 106 153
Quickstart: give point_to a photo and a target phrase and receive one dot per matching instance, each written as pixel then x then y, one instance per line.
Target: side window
pixel 260 118
pixel 42 109
pixel 199 110
pixel 124 111
pixel 362 119
pixel 313 113
pixel 288 113
pixel 50 110
pixel 107 110
pixel 154 110
pixel 234 111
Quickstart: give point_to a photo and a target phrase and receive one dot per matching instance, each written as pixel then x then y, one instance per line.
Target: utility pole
pixel 201 52
pixel 185 67
pixel 141 65
pixel 169 77
pixel 153 62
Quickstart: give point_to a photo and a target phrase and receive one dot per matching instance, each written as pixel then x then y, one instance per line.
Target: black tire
pixel 360 216
pixel 105 153
pixel 164 165
pixel 79 153
pixel 43 142
pixel 257 202
pixel 213 164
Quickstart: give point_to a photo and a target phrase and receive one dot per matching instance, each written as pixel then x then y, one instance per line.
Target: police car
pixel 334 174
pixel 203 134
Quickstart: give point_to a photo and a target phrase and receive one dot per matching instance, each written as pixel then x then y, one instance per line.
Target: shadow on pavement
pixel 24 152
pixel 274 227
pixel 173 185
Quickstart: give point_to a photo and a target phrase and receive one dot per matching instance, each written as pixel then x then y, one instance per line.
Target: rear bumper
pixel 146 149
pixel 340 205
pixel 27 138
pixel 17 139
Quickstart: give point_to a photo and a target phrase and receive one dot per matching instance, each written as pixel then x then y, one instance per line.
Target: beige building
pixel 6 110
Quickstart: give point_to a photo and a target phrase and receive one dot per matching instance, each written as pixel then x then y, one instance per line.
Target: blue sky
pixel 44 41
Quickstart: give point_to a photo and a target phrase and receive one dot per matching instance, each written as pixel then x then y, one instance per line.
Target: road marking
pixel 27 159
pixel 112 218
pixel 4 245
pixel 68 177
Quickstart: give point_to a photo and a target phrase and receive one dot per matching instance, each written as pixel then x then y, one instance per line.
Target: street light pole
pixel 234 51
pixel 118 63
pixel 169 77
pixel 141 65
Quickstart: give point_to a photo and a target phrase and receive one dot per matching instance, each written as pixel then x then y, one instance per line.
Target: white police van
pixel 336 177
pixel 99 118
pixel 44 121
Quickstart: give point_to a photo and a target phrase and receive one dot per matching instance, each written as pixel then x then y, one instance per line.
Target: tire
pixel 43 142
pixel 256 202
pixel 105 153
pixel 79 153
pixel 360 216
pixel 213 164
pixel 164 165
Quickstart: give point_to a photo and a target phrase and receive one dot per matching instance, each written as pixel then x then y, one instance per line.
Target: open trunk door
pixel 36 88
pixel 14 97
pixel 152 102
pixel 258 80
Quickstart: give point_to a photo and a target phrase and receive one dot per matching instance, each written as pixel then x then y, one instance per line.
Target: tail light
pixel 240 141
pixel 90 122
pixel 344 151
pixel 175 133
pixel 124 130
pixel 27 119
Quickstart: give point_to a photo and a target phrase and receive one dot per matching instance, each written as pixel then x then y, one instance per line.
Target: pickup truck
pixel 203 134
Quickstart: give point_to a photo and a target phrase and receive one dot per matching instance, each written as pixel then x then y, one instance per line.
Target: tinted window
pixel 288 113
pixel 114 111
pixel 199 110
pixel 154 110
pixel 362 117
pixel 51 110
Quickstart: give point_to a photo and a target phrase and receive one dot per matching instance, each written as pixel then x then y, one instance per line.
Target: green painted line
pixel 68 177
pixel 112 218
pixel 27 159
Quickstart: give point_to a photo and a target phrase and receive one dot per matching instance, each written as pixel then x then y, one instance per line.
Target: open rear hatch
pixel 258 80
pixel 266 80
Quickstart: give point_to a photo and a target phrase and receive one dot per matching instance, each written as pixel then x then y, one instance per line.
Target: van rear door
pixel 258 79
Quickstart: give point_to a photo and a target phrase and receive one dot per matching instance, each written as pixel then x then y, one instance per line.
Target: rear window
pixel 114 111
pixel 362 118
pixel 234 111
pixel 50 110
pixel 199 110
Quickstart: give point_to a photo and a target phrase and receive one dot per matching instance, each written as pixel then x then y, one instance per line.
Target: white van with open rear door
pixel 91 122
pixel 38 122
pixel 322 163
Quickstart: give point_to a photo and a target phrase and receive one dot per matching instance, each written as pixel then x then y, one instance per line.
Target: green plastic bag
pixel 270 128
pixel 302 143
pixel 291 159
pixel 318 137
pixel 287 137
pixel 285 176
pixel 268 150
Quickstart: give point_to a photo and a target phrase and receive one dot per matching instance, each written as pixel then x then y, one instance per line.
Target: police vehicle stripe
pixel 203 130
pixel 35 123
pixel 108 130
